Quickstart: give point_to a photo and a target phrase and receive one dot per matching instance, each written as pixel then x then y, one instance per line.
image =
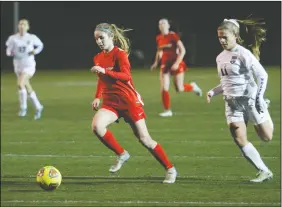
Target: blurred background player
pixel 170 50
pixel 120 99
pixel 23 46
pixel 244 98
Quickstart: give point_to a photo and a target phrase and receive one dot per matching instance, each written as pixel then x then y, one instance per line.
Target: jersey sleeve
pixel 124 66
pixel 9 45
pixel 157 40
pixel 38 44
pixel 94 60
pixel 100 85
pixel 175 37
pixel 99 89
pixel 254 65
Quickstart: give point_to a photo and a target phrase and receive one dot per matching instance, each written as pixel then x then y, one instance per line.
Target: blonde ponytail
pixel 256 34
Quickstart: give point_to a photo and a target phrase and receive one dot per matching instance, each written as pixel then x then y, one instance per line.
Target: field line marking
pixel 128 141
pixel 135 156
pixel 135 177
pixel 141 202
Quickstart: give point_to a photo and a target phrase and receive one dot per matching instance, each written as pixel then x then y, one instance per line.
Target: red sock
pixel 188 87
pixel 109 141
pixel 160 155
pixel 166 100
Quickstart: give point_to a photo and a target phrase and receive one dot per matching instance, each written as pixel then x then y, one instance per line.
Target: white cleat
pixel 121 159
pixel 166 113
pixel 171 175
pixel 22 112
pixel 262 176
pixel 197 89
pixel 38 113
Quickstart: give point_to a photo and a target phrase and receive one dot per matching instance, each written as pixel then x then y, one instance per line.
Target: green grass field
pixel 212 171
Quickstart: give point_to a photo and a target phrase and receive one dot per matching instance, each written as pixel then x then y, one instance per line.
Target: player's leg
pixel 101 120
pixel 265 130
pixel 180 86
pixel 263 123
pixel 21 81
pixel 165 82
pixel 32 95
pixel 237 125
pixel 141 132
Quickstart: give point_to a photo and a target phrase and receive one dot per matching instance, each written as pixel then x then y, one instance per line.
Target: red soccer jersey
pixel 117 80
pixel 168 44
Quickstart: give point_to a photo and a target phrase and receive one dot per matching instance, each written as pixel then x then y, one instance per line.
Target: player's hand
pixel 10 54
pixel 259 104
pixel 154 66
pixel 174 67
pixel 95 104
pixel 209 97
pixel 98 69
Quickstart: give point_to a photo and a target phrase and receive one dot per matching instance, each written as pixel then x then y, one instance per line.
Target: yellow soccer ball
pixel 49 178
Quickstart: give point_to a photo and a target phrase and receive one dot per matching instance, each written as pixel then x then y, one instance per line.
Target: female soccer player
pixel 23 46
pixel 170 50
pixel 120 99
pixel 243 97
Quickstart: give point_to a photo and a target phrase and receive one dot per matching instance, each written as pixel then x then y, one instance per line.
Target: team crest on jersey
pixel 28 42
pixel 233 59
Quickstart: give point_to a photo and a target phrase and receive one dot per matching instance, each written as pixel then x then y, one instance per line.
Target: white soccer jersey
pixel 20 46
pixel 236 70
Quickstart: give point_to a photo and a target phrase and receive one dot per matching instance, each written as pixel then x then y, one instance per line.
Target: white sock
pixel 253 156
pixel 23 98
pixel 35 100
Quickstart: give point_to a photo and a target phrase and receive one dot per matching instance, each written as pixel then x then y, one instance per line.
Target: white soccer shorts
pixel 242 109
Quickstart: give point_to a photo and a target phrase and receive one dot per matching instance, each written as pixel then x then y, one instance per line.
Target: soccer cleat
pixel 170 177
pixel 22 112
pixel 262 176
pixel 121 159
pixel 38 113
pixel 166 113
pixel 197 89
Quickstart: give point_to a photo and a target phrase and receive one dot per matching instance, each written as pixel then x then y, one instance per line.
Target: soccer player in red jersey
pixel 170 50
pixel 120 98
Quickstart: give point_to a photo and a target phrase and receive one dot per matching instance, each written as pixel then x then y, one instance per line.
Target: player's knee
pixel 148 142
pixel 179 89
pixel 21 85
pixel 240 141
pixel 166 89
pixel 267 136
pixel 97 127
pixel 29 89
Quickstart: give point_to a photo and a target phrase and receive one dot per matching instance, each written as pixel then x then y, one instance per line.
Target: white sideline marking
pixel 138 177
pixel 141 202
pixel 136 156
pixel 129 141
pixel 119 131
pixel 150 176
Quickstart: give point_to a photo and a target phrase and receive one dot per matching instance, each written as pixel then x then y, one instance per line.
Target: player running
pixel 170 50
pixel 120 99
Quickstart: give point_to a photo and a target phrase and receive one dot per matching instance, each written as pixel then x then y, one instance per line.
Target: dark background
pixel 66 29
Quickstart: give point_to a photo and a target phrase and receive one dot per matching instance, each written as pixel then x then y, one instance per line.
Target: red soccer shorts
pixel 166 68
pixel 130 111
